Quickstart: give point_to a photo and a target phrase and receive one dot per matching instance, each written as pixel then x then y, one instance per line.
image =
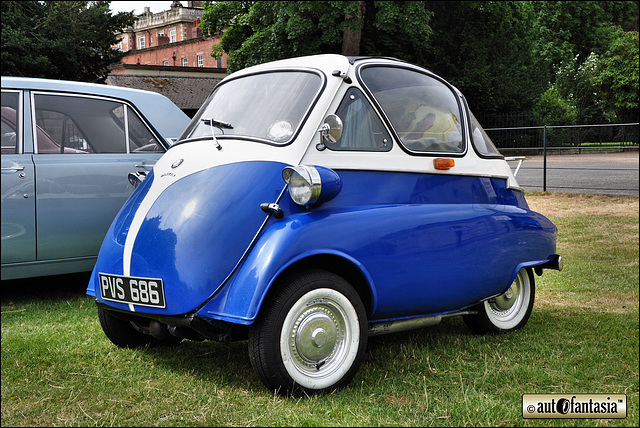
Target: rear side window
pixel 10 123
pixel 481 141
pixel 141 139
pixel 80 124
pixel 424 112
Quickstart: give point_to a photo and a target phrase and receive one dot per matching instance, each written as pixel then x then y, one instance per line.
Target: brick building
pixel 170 38
pixel 167 53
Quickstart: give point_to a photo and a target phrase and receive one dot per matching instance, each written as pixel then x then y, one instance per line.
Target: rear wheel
pixel 509 311
pixel 128 334
pixel 311 336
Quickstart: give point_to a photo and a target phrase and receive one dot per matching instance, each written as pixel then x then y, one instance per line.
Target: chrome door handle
pixel 13 168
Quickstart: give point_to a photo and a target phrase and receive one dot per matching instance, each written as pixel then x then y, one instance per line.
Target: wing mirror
pixel 330 131
pixel 135 178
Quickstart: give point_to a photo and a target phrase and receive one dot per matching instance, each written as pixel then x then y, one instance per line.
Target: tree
pixel 508 56
pixel 593 62
pixel 567 29
pixel 616 77
pixel 68 40
pixel 485 48
pixel 260 31
pixel 557 111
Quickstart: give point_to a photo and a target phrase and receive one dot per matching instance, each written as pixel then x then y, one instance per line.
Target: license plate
pixel 133 290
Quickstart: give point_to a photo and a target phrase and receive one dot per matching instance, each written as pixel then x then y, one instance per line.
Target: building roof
pixel 188 93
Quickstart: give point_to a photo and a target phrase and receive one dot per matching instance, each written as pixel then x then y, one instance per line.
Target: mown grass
pixel 58 368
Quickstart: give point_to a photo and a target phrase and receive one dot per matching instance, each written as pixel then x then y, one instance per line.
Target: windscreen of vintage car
pixel 267 107
pixel 425 112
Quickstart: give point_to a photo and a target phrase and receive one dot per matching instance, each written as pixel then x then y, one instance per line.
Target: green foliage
pixel 399 29
pixel 485 49
pixel 68 40
pixel 590 58
pixel 567 29
pixel 557 111
pixel 258 32
pixel 574 81
pixel 616 76
pixel 504 56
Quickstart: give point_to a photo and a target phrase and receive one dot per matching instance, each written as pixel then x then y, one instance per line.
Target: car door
pixel 83 155
pixel 18 199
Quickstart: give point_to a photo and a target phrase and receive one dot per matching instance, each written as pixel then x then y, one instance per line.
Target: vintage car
pixel 314 202
pixel 67 150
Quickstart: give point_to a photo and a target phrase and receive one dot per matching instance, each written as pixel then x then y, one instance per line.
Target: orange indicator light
pixel 443 163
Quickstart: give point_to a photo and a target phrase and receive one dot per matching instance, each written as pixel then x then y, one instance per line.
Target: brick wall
pixel 189 49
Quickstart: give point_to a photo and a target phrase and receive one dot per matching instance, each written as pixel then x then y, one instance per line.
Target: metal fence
pixel 576 138
pixel 541 140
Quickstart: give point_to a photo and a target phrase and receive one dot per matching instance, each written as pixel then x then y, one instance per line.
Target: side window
pixel 140 137
pixel 424 112
pixel 363 129
pixel 481 141
pixel 10 121
pixel 75 124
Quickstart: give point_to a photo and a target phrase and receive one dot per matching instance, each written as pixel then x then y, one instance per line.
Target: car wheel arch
pixel 243 297
pixel 338 264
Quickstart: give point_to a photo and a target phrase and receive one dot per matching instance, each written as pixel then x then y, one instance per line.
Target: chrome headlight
pixel 311 185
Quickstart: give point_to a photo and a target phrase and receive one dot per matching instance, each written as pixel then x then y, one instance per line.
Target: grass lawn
pixel 59 369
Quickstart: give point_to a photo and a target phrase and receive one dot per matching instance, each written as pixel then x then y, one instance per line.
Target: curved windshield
pixel 268 106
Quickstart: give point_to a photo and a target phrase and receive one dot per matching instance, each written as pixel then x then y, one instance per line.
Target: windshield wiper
pixel 217 123
pixel 214 123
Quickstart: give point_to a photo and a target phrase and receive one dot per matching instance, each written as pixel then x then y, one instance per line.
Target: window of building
pixel 172 36
pixel 150 40
pixel 219 62
pixel 200 61
pixel 185 62
pixel 165 63
pixel 141 42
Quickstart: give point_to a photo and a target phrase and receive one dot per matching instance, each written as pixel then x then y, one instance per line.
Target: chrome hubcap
pixel 316 336
pixel 508 302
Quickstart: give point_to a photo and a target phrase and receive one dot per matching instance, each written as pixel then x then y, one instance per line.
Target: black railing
pixel 567 138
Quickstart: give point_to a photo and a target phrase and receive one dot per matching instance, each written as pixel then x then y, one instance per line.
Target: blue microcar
pixel 314 202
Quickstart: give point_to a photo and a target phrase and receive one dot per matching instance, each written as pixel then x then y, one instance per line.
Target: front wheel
pixel 509 311
pixel 311 336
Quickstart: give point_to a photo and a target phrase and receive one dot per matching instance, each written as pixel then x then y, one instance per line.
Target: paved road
pixel 612 174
